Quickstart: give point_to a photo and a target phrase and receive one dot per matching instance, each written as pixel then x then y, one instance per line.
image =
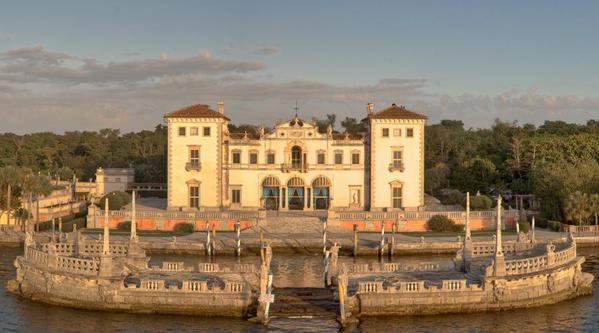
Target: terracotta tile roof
pixel 195 111
pixel 396 112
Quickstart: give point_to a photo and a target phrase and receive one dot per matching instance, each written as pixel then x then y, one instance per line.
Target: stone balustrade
pixel 194 286
pixel 418 215
pixel 526 265
pixel 177 215
pixel 173 266
pixel 35 256
pixel 460 285
pixel 235 268
pixel 566 255
pixel 485 249
pixel 374 268
pixel 94 249
pixel 77 265
pixel 61 249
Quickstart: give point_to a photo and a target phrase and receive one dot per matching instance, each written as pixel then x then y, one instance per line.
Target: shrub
pixel 457 227
pixel 554 225
pixel 441 223
pixel 540 222
pixel 524 225
pixel 124 226
pixel 183 227
pixel 480 202
pixel 116 200
pixel 453 197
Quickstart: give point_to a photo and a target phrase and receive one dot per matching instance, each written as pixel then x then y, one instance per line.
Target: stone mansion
pixel 294 167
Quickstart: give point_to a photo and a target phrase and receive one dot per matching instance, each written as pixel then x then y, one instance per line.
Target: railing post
pixel 238 236
pixel 60 229
pixel 355 252
pixel 208 242
pixel 324 236
pixel 53 232
pixel 382 244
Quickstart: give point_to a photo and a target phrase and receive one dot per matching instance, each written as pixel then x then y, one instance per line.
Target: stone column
pixel 468 234
pixel 133 236
pixel 499 260
pixel 106 258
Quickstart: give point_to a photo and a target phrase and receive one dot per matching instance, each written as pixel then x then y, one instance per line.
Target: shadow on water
pixel 20 315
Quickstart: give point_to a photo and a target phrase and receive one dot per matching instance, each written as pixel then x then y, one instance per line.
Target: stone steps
pixel 304 302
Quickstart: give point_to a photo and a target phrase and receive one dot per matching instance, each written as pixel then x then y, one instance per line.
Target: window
pixel 206 131
pixel 397 161
pixel 385 132
pixel 397 132
pixel 396 196
pixel 194 157
pixel 355 158
pixel 410 132
pixel 270 158
pixel 320 158
pixel 253 158
pixel 194 196
pixel 236 157
pixel 338 157
pixel 181 131
pixel 193 131
pixel 117 180
pixel 236 196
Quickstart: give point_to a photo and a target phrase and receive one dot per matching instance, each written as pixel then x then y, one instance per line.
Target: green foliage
pixel 480 202
pixel 124 226
pixel 183 227
pixel 352 126
pixel 540 222
pixel 116 200
pixel 453 197
pixel 554 225
pixel 524 225
pixel 441 223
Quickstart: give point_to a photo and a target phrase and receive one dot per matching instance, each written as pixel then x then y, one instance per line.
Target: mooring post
pixel 342 281
pixel 53 231
pixel 324 236
pixel 391 244
pixel 355 240
pixel 208 242
pixel 382 245
pixel 60 229
pixel 325 274
pixel 238 235
pixel 261 238
pixel 533 230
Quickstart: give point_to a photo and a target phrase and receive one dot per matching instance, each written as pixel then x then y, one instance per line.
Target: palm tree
pixel 35 185
pixel 594 205
pixel 577 207
pixel 9 179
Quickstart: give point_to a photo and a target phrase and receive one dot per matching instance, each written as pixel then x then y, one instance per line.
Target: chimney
pixel 370 108
pixel 220 106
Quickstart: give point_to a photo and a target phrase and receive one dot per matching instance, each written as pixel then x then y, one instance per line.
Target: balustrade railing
pixel 416 215
pixel 77 265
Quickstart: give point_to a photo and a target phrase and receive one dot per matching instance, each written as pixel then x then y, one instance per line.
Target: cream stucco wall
pixel 412 176
pixel 353 186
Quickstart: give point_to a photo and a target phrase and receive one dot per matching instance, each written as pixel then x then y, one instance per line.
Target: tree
pixel 577 207
pixel 9 193
pixel 594 206
pixel 352 126
pixel 436 177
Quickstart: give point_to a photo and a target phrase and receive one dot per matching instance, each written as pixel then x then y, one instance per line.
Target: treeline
pixel 553 161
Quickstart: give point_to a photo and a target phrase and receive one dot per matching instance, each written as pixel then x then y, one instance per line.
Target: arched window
pixel 295 181
pixel 321 191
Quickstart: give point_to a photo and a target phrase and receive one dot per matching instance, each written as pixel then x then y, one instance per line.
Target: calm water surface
pixel 20 315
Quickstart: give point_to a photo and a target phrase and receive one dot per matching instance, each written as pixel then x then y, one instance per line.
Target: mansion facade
pixel 294 166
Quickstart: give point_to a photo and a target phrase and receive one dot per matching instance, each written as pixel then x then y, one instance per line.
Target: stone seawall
pixel 518 291
pixel 93 293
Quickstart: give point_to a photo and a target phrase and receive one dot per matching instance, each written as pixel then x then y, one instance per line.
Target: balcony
pixel 288 167
pixel 193 166
pixel 396 166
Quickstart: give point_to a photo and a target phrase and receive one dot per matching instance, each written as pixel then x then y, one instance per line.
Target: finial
pixel 296 108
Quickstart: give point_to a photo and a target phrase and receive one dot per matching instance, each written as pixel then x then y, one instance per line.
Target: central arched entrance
pixel 321 188
pixel 270 193
pixel 296 157
pixel 295 193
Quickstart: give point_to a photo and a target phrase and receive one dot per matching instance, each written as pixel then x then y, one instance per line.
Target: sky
pixel 83 65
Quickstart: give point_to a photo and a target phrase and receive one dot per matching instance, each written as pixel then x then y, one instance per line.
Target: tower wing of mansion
pixel 294 167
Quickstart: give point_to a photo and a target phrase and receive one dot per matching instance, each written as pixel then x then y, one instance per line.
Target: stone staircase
pixel 304 302
pixel 293 223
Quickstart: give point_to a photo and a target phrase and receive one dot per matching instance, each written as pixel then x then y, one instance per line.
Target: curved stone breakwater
pixel 521 274
pixel 100 276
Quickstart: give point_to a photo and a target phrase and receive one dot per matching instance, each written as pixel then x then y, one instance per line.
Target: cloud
pixel 51 90
pixel 5 36
pixel 37 64
pixel 266 51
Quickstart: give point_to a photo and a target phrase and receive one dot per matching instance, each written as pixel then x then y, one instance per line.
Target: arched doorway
pixel 295 193
pixel 296 157
pixel 270 193
pixel 321 187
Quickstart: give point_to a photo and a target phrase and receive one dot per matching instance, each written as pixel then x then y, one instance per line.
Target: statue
pixel 329 130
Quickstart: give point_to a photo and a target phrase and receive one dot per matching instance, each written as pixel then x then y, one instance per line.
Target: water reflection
pixel 20 315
